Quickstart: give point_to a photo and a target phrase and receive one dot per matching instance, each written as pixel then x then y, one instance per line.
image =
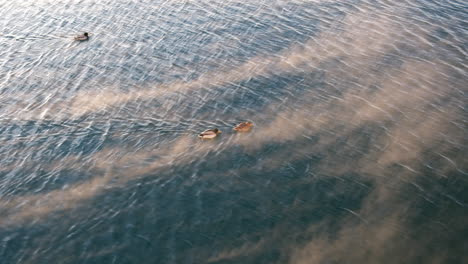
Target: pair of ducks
pixel 212 133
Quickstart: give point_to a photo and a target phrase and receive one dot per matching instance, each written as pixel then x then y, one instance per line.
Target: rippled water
pixel 358 154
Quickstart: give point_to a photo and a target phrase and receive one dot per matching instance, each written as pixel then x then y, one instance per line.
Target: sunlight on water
pixel 357 153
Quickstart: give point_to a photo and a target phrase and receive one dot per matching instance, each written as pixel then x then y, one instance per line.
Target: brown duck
pixel 244 127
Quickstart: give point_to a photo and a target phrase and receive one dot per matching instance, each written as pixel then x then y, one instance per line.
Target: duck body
pixel 82 37
pixel 209 134
pixel 244 127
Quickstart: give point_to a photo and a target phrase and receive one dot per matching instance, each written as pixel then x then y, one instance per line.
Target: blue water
pixel 358 152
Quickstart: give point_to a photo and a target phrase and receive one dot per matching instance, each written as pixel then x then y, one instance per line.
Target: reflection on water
pixel 358 153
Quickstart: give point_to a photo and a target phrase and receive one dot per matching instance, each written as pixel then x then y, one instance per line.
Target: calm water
pixel 358 154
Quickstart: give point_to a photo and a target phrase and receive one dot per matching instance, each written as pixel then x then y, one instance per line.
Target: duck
pixel 82 37
pixel 209 134
pixel 244 127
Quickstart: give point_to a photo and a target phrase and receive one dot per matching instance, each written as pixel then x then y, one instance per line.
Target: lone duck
pixel 82 37
pixel 210 133
pixel 244 127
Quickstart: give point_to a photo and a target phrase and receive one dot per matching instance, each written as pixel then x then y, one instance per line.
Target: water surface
pixel 358 154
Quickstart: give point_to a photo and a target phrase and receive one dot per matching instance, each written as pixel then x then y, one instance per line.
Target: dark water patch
pixel 235 213
pixel 42 181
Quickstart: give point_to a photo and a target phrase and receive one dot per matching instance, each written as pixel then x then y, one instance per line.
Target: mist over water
pixel 358 153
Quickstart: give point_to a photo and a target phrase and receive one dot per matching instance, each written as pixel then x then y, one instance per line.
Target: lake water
pixel 358 152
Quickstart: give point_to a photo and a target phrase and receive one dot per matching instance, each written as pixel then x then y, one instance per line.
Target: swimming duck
pixel 210 133
pixel 244 127
pixel 82 37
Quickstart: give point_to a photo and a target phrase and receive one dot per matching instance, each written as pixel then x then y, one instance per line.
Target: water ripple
pixel 359 112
